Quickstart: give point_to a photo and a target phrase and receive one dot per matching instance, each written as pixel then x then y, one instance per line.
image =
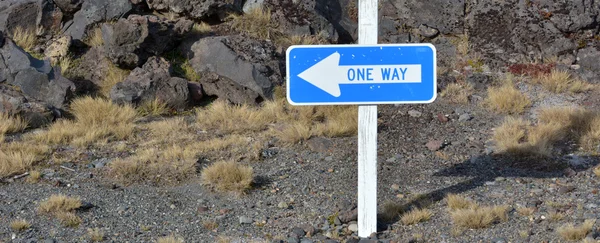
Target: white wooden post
pixel 367 131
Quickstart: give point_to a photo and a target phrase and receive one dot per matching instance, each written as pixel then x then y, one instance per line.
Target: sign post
pixel 366 74
pixel 368 34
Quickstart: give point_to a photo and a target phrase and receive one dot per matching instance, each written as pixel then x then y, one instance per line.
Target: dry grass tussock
pixel 19 225
pixel 572 232
pixel 469 214
pixel 25 38
pixel 59 203
pixel 170 239
pixel 68 219
pixel 94 38
pixel 113 76
pixel 525 211
pixel 562 81
pixel 287 40
pixel 228 176
pixel 555 124
pixel 96 235
pixel 506 98
pixel 34 177
pixel 170 164
pixel 154 107
pixel 201 28
pixel 416 216
pixel 256 23
pixel 18 157
pixel 288 123
pixel 96 120
pixel 457 93
pixel 11 124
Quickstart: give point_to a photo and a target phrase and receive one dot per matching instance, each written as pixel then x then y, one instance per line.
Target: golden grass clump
pixel 113 76
pixel 154 107
pixel 506 98
pixel 256 23
pixel 68 219
pixel 416 216
pixel 94 38
pixel 228 176
pixel 19 225
pixel 96 119
pixel 96 235
pixel 525 211
pixel 34 176
pixel 478 217
pixel 59 203
pixel 18 157
pixel 458 202
pixel 457 93
pixel 24 38
pixel 468 214
pixel 556 216
pixel 562 81
pixel 234 118
pixel 572 232
pixel 11 124
pixel 170 239
pixel 201 28
pixel 170 164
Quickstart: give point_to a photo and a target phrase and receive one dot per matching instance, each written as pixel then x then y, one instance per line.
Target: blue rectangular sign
pixel 361 74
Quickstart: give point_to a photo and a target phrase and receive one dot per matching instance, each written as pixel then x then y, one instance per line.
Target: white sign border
pixel 287 66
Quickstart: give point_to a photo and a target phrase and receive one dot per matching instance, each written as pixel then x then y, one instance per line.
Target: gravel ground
pixel 422 157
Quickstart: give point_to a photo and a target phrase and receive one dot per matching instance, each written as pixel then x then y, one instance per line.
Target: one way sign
pixel 361 74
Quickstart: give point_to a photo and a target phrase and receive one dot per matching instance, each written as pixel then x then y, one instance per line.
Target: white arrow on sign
pixel 328 74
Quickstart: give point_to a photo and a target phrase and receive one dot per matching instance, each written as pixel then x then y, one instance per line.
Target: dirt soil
pixel 305 186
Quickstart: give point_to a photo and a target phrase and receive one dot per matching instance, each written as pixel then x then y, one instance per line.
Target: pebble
pixel 500 178
pixel 591 206
pixel 298 232
pixel 306 241
pixel 490 183
pixel 283 205
pixel 442 118
pixel 414 113
pixel 329 158
pixel 49 241
pixel 395 187
pixel 566 189
pixel 499 240
pixel 353 227
pixel 245 220
pixel 293 240
pixel 465 117
pixel 434 145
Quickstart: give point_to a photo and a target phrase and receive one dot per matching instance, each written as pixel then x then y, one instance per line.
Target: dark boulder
pixel 36 79
pixel 130 42
pixel 445 16
pixel 93 12
pixel 32 15
pixel 588 59
pixel 13 102
pixel 235 68
pixel 69 6
pixel 569 15
pixel 152 82
pixel 513 32
pixel 197 9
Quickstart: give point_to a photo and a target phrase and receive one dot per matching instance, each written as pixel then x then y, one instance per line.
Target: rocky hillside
pixel 165 121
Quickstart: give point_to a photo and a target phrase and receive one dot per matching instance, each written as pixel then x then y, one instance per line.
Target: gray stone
pixel 465 117
pixel 414 113
pixel 251 4
pixel 367 241
pixel 479 81
pixel 434 145
pixel 246 220
pixel 130 42
pixel 36 79
pixel 236 69
pixel 353 227
pixel 29 15
pixel 447 16
pixel 428 31
pixel 293 240
pixel 588 59
pixel 570 16
pixel 328 158
pixel 151 82
pixel 306 241
pixel 197 9
pixel 49 241
pixel 69 6
pixel 298 232
pixel 93 12
pixel 283 205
